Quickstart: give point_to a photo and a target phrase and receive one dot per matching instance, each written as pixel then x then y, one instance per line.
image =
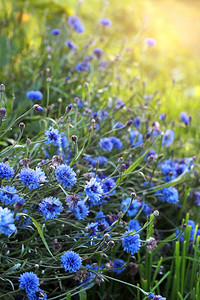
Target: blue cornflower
pixel 71 261
pixel 30 178
pixel 136 138
pixel 120 104
pixel 185 118
pixel 131 243
pixel 6 171
pixel 117 144
pixel 66 176
pixel 106 144
pixel 137 122
pixel 53 136
pixel 197 198
pixel 6 221
pixel 50 207
pixel 34 95
pixel 92 228
pixel 94 191
pixel 150 41
pixel 29 282
pixel 166 167
pixel 79 210
pixel 151 296
pixel 192 232
pixel 134 225
pixel 93 161
pixel 106 22
pixel 37 295
pixel 147 210
pixel 162 116
pixel 55 32
pixel 9 195
pixel 108 185
pixel 98 52
pixel 83 66
pixel 74 22
pixel 119 263
pixel 168 194
pixel 133 208
pixel 71 45
pixel 168 138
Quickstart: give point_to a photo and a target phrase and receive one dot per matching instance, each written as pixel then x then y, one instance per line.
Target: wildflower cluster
pixel 83 183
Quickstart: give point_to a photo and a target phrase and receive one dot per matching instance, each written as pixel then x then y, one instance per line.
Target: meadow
pixel 99 167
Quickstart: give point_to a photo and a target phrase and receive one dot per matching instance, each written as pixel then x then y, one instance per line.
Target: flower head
pixel 168 194
pixel 133 208
pixel 168 138
pixel 71 45
pixel 98 52
pixel 108 185
pixel 9 195
pixel 71 261
pixel 74 22
pixel 6 221
pixel 106 22
pixel 55 32
pixel 106 144
pixel 34 95
pixel 150 41
pixel 117 144
pixel 134 225
pixel 185 118
pixel 29 282
pixel 50 207
pixel 83 66
pixel 30 178
pixel 66 176
pixel 80 210
pixel 131 243
pixel 118 264
pixel 93 190
pixel 37 295
pixel 6 171
pixel 53 136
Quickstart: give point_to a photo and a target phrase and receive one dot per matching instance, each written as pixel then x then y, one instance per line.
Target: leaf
pixel 39 231
pixel 83 295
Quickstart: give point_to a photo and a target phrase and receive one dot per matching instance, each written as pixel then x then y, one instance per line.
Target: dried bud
pixel 120 160
pixel 122 167
pixel 76 99
pixel 49 79
pixel 111 243
pixel 24 162
pixel 21 126
pixel 106 236
pixel 74 138
pixel 88 176
pixel 2 87
pixel 5 159
pixel 28 141
pixel 59 100
pixel 86 84
pixel 156 213
pixel 151 244
pixel 133 195
pixel 120 214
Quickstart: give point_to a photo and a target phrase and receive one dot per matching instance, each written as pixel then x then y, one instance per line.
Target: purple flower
pixel 6 171
pixel 150 41
pixel 50 208
pixel 168 138
pixel 6 221
pixel 55 32
pixel 106 22
pixel 34 95
pixel 74 22
pixel 66 175
pixel 71 45
pixel 106 144
pixel 83 66
pixel 185 118
pixel 71 261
